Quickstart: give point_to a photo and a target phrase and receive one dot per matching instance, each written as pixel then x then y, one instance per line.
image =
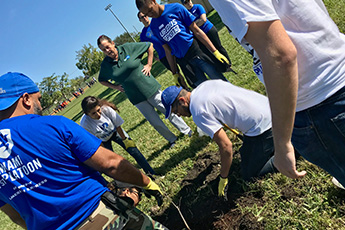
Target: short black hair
pixel 140 3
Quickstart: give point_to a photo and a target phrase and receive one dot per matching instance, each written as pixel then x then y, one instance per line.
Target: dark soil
pixel 200 205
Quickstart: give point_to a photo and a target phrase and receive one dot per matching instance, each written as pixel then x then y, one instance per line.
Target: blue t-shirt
pixel 42 172
pixel 197 10
pixel 148 36
pixel 172 28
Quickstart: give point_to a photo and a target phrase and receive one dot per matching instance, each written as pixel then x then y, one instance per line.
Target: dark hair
pixel 91 102
pixel 140 3
pixel 103 37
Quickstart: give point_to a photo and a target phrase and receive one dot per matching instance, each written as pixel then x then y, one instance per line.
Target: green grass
pixel 282 203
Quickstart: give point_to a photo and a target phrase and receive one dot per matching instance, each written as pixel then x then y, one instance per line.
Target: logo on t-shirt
pixel 6 143
pixel 126 58
pixel 170 30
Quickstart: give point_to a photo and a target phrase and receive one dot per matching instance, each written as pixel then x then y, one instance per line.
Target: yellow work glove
pixel 221 57
pixel 129 143
pixel 153 189
pixel 222 186
pixel 176 79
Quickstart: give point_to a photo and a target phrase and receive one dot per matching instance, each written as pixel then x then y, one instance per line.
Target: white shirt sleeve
pixel 113 116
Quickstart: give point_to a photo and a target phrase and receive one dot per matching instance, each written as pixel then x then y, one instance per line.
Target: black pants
pixel 186 68
pixel 212 34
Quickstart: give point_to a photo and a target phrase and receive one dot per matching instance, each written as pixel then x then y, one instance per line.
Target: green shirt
pixel 127 72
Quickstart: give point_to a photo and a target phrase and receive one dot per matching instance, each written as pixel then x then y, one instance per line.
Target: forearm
pixel 120 132
pixel 279 61
pixel 171 59
pixel 202 37
pixel 150 55
pixel 117 167
pixel 201 21
pixel 225 160
pixel 225 149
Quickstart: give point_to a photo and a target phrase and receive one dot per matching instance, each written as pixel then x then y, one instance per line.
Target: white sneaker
pixel 336 183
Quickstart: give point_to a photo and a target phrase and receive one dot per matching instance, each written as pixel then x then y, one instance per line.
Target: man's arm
pixel 147 68
pixel 201 20
pixel 117 167
pixel 279 61
pixel 13 215
pixel 171 59
pixel 202 37
pixel 225 149
pixel 112 86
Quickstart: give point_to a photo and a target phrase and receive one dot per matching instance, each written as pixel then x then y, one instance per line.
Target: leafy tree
pixel 89 59
pixel 124 38
pixel 64 86
pixel 48 86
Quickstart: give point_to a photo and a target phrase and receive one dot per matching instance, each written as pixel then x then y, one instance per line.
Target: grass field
pixel 275 202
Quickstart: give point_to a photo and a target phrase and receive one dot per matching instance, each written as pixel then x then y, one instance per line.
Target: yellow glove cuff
pixel 129 143
pixel 152 186
pixel 223 182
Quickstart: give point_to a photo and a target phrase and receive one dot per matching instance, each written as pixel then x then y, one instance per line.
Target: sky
pixel 40 38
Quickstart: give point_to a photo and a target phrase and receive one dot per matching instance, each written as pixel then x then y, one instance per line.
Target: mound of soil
pixel 200 205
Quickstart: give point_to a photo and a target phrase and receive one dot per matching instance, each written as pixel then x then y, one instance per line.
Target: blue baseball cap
pixel 168 97
pixel 13 86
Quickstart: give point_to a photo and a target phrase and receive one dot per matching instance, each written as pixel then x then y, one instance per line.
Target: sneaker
pixel 336 183
pixel 190 133
pixel 172 144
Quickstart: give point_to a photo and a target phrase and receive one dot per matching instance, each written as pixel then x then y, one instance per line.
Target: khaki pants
pixel 105 218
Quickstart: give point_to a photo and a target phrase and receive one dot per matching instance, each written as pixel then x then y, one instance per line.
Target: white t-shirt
pixel 320 46
pixel 104 127
pixel 216 102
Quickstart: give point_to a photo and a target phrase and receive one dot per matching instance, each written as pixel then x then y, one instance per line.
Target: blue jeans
pixel 319 135
pixel 257 155
pixel 133 151
pixel 201 67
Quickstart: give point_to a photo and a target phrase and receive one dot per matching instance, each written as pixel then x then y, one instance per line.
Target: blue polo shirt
pixel 172 28
pixel 148 36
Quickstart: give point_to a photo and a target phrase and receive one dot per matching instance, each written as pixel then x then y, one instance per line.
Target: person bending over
pixel 215 104
pixel 100 119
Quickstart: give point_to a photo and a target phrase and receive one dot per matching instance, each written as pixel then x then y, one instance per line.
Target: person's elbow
pixel 286 57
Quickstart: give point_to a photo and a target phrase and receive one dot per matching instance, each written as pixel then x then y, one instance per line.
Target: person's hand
pixel 153 189
pixel 284 160
pixel 179 80
pixel 129 143
pixel 146 70
pixel 221 57
pixel 176 78
pixel 222 186
pixel 119 88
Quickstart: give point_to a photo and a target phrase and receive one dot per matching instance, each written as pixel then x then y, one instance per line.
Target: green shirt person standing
pixel 122 64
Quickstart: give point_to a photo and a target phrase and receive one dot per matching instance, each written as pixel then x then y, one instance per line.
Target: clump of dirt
pixel 200 205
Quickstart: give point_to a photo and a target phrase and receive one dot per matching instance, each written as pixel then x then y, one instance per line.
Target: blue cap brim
pixel 168 112
pixel 8 102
